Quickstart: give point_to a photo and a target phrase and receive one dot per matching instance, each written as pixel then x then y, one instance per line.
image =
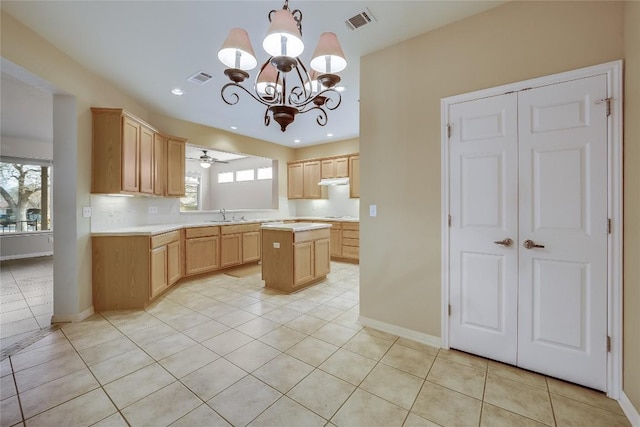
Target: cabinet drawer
pixel 350 252
pixel 350 242
pixel 165 238
pixel 351 226
pixel 201 232
pixel 351 234
pixel 240 228
pixel 305 236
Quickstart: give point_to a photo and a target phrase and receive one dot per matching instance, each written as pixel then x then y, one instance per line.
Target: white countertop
pixel 296 226
pixel 150 230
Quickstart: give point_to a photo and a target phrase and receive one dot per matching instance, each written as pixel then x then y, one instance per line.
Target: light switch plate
pixel 276 245
pixel 373 210
pixel 86 211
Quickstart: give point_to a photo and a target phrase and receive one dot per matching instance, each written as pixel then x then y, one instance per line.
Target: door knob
pixel 506 242
pixel 530 244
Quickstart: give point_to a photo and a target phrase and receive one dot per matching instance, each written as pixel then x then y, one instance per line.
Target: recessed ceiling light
pixel 233 127
pixel 329 135
pixel 177 91
pixel 341 88
pixel 297 141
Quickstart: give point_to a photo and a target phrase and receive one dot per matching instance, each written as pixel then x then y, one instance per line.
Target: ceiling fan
pixel 206 160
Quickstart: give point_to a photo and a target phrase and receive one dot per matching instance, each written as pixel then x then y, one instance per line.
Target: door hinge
pixel 449 309
pixel 608 344
pixel 608 101
pixel 449 220
pixel 449 131
pixel 609 225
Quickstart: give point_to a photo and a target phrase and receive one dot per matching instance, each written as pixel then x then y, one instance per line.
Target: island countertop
pixel 296 226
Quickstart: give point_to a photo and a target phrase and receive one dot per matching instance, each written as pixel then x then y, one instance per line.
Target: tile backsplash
pixel 113 212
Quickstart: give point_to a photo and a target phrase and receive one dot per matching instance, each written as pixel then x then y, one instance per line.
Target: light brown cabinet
pixel 202 249
pixel 293 259
pixel 175 167
pixel 130 271
pixel 295 177
pixel 354 176
pixel 304 175
pixel 335 168
pixel 232 244
pixel 129 156
pixel 336 241
pixel 351 241
pixel 312 176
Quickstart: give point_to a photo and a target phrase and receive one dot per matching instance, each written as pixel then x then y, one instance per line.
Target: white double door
pixel 528 234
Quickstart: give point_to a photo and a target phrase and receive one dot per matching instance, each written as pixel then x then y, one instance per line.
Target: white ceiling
pixel 150 47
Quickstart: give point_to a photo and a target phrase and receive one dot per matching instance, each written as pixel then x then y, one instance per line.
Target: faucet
pixel 224 214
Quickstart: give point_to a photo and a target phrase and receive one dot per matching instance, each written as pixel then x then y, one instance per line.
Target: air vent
pixel 200 78
pixel 363 18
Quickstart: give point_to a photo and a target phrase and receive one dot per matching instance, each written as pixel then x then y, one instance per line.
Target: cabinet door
pixel 173 262
pixel 322 258
pixel 175 167
pixel 354 177
pixel 251 246
pixel 328 169
pixel 342 167
pixel 146 160
pixel 336 243
pixel 159 281
pixel 303 264
pixel 230 250
pixel 312 174
pixel 295 187
pixel 159 165
pixel 130 152
pixel 201 254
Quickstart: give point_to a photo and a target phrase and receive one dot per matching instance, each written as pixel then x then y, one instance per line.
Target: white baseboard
pixel 70 318
pixel 629 410
pixel 401 332
pixel 22 256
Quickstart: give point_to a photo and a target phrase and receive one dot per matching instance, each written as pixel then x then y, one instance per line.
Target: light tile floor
pixel 26 298
pixel 220 351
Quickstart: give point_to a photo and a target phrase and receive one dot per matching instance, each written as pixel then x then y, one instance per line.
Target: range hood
pixel 334 181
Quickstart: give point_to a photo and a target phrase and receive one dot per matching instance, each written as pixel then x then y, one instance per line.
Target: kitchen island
pixel 295 255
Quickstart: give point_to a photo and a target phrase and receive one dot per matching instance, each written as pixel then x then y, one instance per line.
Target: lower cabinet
pixel 202 249
pixel 130 271
pixel 239 244
pixel 292 260
pixel 351 241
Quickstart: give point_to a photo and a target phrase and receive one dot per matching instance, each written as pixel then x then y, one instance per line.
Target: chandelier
pixel 283 84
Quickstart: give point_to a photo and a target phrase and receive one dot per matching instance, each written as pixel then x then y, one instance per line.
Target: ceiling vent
pixel 361 19
pixel 200 78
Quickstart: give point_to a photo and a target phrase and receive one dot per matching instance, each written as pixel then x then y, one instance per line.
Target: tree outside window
pixel 25 191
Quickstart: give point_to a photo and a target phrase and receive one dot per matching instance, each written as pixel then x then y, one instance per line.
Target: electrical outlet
pixel 50 239
pixel 276 245
pixel 86 211
pixel 153 209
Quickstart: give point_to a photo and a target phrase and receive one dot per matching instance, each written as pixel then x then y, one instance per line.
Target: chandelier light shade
pixel 237 52
pixel 283 84
pixel 328 57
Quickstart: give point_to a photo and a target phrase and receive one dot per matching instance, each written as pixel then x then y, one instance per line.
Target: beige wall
pixel 400 278
pixel 631 381
pixel 347 146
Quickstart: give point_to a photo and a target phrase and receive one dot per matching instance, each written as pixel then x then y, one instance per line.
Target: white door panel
pixel 483 291
pixel 531 166
pixel 563 207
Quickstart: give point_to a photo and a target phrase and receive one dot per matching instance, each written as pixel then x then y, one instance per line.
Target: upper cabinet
pixel 129 156
pixel 354 176
pixel 304 175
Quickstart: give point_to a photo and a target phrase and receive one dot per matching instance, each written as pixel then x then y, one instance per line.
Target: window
pixel 265 173
pixel 224 177
pixel 25 186
pixel 245 175
pixel 191 199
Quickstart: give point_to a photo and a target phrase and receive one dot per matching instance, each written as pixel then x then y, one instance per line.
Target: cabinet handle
pixel 506 242
pixel 530 244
